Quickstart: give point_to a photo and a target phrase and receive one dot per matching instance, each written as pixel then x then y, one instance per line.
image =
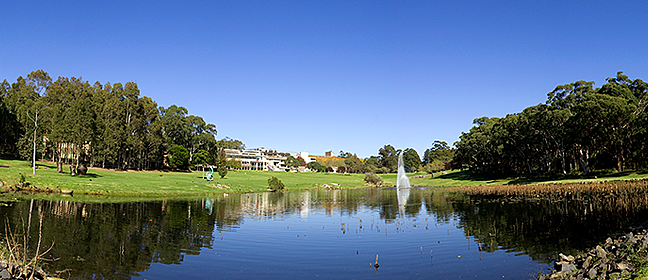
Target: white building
pixel 264 159
pixel 260 158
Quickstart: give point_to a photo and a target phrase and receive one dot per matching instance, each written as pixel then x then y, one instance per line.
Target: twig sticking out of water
pixel 376 265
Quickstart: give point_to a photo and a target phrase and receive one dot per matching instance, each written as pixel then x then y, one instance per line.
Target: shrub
pixel 275 184
pixel 179 157
pixel 329 169
pixel 314 165
pixel 373 179
pixel 341 169
pixel 222 171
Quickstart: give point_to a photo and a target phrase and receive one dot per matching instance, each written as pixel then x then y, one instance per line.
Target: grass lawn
pixel 164 184
pixel 169 184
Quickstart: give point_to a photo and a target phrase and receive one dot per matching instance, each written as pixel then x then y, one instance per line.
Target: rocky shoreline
pixel 623 256
pixel 16 271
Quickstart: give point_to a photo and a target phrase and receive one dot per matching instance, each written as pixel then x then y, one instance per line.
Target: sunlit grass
pixel 159 183
pixel 164 184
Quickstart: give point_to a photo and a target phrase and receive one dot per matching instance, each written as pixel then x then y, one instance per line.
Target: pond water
pixel 312 234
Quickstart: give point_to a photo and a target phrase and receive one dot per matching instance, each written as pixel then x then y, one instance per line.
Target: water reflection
pixel 121 240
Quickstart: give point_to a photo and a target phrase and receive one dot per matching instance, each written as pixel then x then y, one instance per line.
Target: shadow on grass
pixel 468 176
pixel 89 175
pixel 465 175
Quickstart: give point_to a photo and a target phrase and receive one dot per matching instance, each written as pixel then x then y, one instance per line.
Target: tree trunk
pixel 34 152
pixel 584 161
pixel 620 159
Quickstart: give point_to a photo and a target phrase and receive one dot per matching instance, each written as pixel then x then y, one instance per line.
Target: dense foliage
pixel 109 125
pixel 580 128
pixel 275 184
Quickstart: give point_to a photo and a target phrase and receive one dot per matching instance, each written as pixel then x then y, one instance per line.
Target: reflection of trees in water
pixel 117 240
pixel 114 241
pixel 544 228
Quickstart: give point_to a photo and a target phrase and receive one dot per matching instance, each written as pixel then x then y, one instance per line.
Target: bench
pixel 5 166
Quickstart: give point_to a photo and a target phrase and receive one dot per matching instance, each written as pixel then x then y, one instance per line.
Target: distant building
pixel 265 159
pixel 307 158
pixel 260 159
pixel 328 154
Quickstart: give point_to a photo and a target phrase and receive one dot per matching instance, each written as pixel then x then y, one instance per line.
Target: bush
pixel 329 169
pixel 222 171
pixel 341 169
pixel 314 165
pixel 373 179
pixel 179 157
pixel 275 184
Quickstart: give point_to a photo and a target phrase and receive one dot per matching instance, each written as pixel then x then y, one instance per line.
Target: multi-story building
pixel 264 159
pixel 260 159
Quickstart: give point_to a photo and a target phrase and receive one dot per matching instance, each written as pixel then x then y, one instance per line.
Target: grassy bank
pixel 159 183
pixel 165 184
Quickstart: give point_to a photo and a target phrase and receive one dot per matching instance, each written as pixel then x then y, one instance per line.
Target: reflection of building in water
pixel 264 205
pixel 331 203
pixel 305 202
pixel 264 159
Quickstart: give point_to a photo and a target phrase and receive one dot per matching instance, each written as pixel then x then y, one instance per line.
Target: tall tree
pixel 411 160
pixel 389 157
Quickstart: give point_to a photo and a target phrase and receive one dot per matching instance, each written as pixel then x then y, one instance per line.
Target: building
pixel 265 159
pixel 260 159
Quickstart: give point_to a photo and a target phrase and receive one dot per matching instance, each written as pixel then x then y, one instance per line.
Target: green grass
pixel 456 178
pixel 156 184
pixel 165 184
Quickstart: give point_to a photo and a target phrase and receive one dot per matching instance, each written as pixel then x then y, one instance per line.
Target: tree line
pixel 436 158
pixel 579 129
pixel 69 120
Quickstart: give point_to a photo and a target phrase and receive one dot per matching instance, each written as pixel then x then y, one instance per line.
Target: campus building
pixel 264 159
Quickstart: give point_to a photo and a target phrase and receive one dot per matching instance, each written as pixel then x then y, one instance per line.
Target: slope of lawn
pixel 159 183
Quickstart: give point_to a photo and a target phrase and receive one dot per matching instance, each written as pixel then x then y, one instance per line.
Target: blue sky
pixel 331 75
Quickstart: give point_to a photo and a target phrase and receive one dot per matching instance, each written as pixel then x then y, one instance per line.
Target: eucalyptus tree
pixel 9 126
pixel 411 160
pixel 72 119
pixel 389 157
pixel 440 151
pixel 174 125
pixel 229 143
pixel 108 129
pixel 26 100
pixel 201 135
pixel 479 149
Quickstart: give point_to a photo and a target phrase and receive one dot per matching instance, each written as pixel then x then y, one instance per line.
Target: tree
pixel 301 161
pixel 372 164
pixel 411 160
pixel 315 166
pixel 222 171
pixel 439 151
pixel 178 157
pixel 389 157
pixel 201 158
pixel 353 163
pixel 229 143
pixel 291 162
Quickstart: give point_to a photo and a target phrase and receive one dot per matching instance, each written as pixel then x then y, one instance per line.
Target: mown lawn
pixel 168 184
pixel 159 183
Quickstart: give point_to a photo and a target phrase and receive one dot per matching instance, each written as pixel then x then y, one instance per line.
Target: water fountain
pixel 402 185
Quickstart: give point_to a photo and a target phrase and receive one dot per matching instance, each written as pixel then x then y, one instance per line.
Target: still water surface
pixel 312 234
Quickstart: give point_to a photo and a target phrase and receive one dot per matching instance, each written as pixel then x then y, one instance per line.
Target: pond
pixel 311 234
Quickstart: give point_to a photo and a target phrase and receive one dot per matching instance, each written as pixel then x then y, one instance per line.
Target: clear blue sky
pixel 331 75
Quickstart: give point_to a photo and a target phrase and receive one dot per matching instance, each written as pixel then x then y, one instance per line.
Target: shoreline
pixel 620 256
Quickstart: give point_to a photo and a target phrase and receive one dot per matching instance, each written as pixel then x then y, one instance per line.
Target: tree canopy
pixel 579 129
pixel 109 125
